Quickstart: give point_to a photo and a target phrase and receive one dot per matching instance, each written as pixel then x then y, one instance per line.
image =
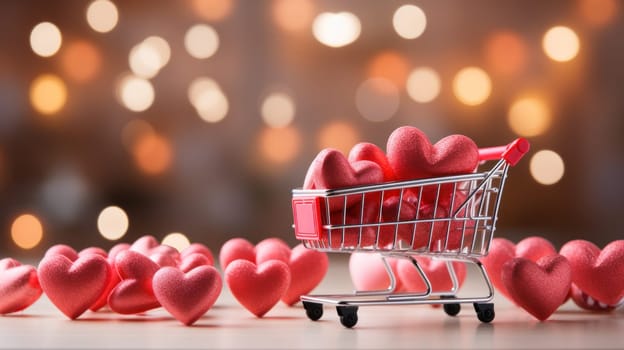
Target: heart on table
pixel 193 260
pixel 436 271
pixel 187 296
pixel 307 269
pixel 586 302
pixel 368 272
pixel 19 286
pixel 134 293
pixel 198 248
pixel 239 248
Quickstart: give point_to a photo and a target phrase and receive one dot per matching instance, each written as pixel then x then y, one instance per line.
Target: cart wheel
pixel 314 311
pixel 452 309
pixel 485 312
pixel 348 315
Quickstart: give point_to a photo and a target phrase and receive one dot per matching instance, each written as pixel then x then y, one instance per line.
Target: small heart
pixel 368 272
pixel 19 286
pixel 73 286
pixel 257 287
pixel 198 248
pixel 187 296
pixel 134 293
pixel 116 249
pixel 538 287
pixel 93 250
pixel 62 249
pixel 272 249
pixel 144 244
pixel 436 271
pixel 586 302
pixel 371 152
pixel 235 249
pixel 307 269
pixel 191 261
pixel 597 273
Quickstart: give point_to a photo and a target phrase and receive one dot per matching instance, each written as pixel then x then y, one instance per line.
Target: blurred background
pixel 193 120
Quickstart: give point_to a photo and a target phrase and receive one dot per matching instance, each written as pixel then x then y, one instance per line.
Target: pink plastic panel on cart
pixel 307 217
pixel 512 153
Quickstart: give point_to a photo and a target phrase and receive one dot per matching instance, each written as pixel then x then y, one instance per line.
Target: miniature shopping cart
pixel 452 218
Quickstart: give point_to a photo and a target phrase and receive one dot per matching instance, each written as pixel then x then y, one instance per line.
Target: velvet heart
pixel 235 249
pixel 436 271
pixel 194 248
pixel 597 273
pixel 538 287
pixel 134 293
pixel 19 286
pixel 370 152
pixel 144 244
pixel 272 249
pixel 586 302
pixel 191 261
pixel 257 287
pixel 307 269
pixel 187 296
pixel 73 286
pixel 62 249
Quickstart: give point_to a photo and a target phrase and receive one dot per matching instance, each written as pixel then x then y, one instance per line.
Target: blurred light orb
pixel 561 44
pixel 409 21
pixel 201 41
pixel 529 116
pixel 176 240
pixel 278 110
pixel 339 135
pixel 200 85
pixel 472 86
pixel 423 84
pixel 102 16
pixel 48 94
pixel 336 29
pixel 293 15
pixel 135 130
pixel 390 65
pixel 377 99
pixel 279 145
pixel 112 223
pixel 135 93
pixel 81 61
pixel 546 167
pixel 162 48
pixel 212 105
pixel 598 13
pixel 213 10
pixel 144 61
pixel 26 231
pixel 152 154
pixel 506 52
pixel 45 39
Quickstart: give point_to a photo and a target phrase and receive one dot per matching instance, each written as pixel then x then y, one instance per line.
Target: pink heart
pixel 116 249
pixel 538 287
pixel 144 245
pixel 368 272
pixel 187 296
pixel 257 288
pixel 435 270
pixel 198 248
pixel 235 249
pixel 307 269
pixel 73 286
pixel 597 273
pixel 62 249
pixel 371 152
pixel 272 249
pixel 134 293
pixel 114 276
pixel 586 302
pixel 19 286
pixel 93 250
pixel 191 261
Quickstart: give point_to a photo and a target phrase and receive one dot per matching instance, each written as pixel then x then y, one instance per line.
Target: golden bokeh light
pixel 162 48
pixel 212 10
pixel 339 135
pixel 278 110
pixel 135 93
pixel 45 39
pixel 598 13
pixel 176 240
pixel 201 41
pixel 209 100
pixel 561 44
pixel 529 116
pixel 506 52
pixel 377 99
pixel 112 223
pixel 423 84
pixel 409 21
pixel 293 15
pixel 134 130
pixel 26 231
pixel 472 86
pixel 144 61
pixel 279 145
pixel 336 29
pixel 389 65
pixel 48 94
pixel 547 167
pixel 152 154
pixel 102 16
pixel 81 61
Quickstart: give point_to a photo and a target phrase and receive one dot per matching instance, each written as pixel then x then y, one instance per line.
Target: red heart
pixel 235 249
pixel 93 250
pixel 194 248
pixel 73 286
pixel 538 287
pixel 134 293
pixel 597 273
pixel 19 286
pixel 272 249
pixel 307 269
pixel 62 249
pixel 586 302
pixel 187 296
pixel 257 288
pixel 350 237
pixel 144 245
pixel 191 261
pixel 435 270
pixel 370 152
pixel 114 276
pixel 368 272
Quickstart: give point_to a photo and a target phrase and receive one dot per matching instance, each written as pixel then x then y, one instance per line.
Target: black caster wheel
pixel 348 315
pixel 452 309
pixel 485 312
pixel 314 311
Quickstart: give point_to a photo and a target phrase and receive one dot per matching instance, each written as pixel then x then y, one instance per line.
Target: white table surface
pixel 228 326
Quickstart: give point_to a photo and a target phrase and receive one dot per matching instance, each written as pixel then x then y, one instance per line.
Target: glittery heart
pixel 436 271
pixel 19 286
pixel 134 293
pixel 257 288
pixel 73 286
pixel 187 296
pixel 307 269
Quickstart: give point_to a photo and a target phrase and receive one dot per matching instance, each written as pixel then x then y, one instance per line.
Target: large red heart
pixel 369 151
pixel 19 286
pixel 538 287
pixel 307 269
pixel 435 270
pixel 257 287
pixel 597 273
pixel 73 286
pixel 187 296
pixel 134 293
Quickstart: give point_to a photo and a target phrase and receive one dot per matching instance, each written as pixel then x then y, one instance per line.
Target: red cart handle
pixel 512 153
